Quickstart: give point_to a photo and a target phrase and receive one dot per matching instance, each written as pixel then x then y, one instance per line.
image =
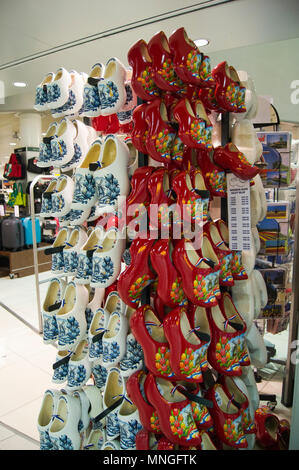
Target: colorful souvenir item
pixel 230 158
pixel 142 79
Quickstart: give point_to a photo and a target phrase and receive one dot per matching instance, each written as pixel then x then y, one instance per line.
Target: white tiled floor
pixel 26 367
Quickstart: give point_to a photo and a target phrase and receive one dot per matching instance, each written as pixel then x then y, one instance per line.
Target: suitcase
pixel 12 232
pixel 27 224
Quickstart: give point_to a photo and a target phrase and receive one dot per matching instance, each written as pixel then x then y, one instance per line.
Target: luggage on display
pixel 12 232
pixel 27 224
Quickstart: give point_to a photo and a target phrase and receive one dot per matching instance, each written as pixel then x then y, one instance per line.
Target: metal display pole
pixel 35 248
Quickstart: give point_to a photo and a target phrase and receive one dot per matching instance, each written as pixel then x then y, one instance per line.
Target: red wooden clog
pixel 137 274
pixel 190 64
pixel 149 332
pixel 147 413
pixel 208 253
pixel 139 194
pixel 161 135
pixel 228 91
pixel 227 418
pixel 192 202
pixel 227 343
pixel 164 73
pixel 140 128
pixel 198 274
pixel 235 320
pixel 223 253
pixel 195 129
pixel 174 411
pixel 199 323
pixel 230 158
pixel 161 198
pixel 240 400
pixel 267 428
pixel 169 287
pixel 142 80
pixel 200 188
pixel 214 176
pixel 188 346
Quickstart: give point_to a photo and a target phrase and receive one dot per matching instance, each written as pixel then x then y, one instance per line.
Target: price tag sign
pixel 239 220
pixel 2 211
pixel 17 211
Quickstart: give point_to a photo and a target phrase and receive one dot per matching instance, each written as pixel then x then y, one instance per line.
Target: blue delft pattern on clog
pixel 46 207
pixel 50 328
pixel 53 92
pixel 62 443
pixel 58 149
pixel 70 261
pixel 110 352
pixel 77 375
pixel 133 359
pixel 68 330
pixel 72 216
pixel 95 350
pixel 57 262
pixel 69 104
pixel 45 442
pixel 85 188
pixel 112 425
pixel 45 153
pixel 108 189
pixel 100 374
pixel 60 373
pixel 58 203
pixel 102 269
pixel 108 94
pixel 41 96
pixel 84 267
pixel 91 99
pixel 128 431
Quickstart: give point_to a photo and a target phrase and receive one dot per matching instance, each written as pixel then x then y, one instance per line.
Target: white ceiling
pixel 29 28
pixel 33 31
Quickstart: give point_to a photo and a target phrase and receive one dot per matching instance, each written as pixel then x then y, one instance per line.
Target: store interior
pixel 260 41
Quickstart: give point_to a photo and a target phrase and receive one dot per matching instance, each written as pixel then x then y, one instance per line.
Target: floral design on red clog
pixel 147 413
pixel 161 197
pixel 148 331
pixel 137 275
pixel 227 418
pixel 169 287
pixel 199 278
pixel 195 129
pixel 174 411
pixel 229 92
pixel 224 254
pixel 214 176
pixel 161 135
pixel 142 80
pixel 191 201
pixel 190 64
pixel 162 64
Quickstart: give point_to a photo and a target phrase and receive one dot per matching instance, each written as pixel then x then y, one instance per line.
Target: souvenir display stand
pixel 155 334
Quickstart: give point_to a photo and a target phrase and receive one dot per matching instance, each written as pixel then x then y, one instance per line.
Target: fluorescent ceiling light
pixel 13 143
pixel 20 84
pixel 202 42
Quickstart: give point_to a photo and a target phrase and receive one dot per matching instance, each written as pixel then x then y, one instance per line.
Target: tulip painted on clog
pixel 142 79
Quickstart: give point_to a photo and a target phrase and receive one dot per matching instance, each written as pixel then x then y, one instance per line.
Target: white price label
pixel 2 211
pixel 17 211
pixel 239 220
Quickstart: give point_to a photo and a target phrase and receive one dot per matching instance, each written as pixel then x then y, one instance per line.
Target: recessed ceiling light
pixel 20 84
pixel 202 42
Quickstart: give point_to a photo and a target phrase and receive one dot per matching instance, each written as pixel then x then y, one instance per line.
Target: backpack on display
pixel 12 232
pixel 27 224
pixel 14 169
